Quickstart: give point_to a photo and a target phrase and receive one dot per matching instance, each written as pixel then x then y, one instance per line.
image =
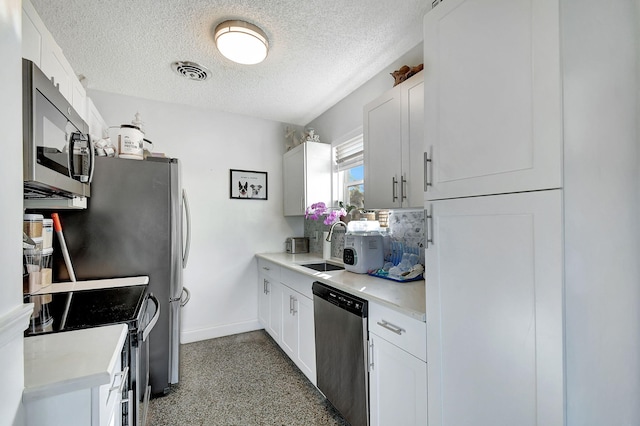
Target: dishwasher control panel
pixel 340 298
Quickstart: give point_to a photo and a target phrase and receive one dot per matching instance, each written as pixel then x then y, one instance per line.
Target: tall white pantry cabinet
pixel 517 128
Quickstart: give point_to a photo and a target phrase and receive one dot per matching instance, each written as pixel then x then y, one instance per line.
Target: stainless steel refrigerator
pixel 133 225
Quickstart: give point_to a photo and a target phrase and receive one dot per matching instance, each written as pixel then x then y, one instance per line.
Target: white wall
pixel 226 234
pixel 11 346
pixel 601 179
pixel 346 115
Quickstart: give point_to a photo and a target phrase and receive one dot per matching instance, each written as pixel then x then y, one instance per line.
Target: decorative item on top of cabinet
pixel 307 176
pixel 394 147
pixel 404 73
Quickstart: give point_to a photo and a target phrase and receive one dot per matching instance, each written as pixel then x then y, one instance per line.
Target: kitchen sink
pixel 323 267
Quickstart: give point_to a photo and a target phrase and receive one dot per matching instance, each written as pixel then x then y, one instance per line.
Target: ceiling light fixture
pixel 241 42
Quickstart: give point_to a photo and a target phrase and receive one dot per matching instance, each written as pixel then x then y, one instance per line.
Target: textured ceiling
pixel 320 50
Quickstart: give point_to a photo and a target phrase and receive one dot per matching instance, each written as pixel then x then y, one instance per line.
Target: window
pixel 349 171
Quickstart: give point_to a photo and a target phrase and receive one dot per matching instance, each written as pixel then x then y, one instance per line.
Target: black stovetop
pixel 92 308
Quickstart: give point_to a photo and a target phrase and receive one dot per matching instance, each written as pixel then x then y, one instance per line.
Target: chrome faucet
pixel 333 226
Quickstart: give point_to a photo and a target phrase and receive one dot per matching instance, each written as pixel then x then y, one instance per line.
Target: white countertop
pixel 407 298
pixel 72 360
pixel 93 284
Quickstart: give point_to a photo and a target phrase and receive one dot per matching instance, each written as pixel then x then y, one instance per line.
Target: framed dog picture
pixel 246 184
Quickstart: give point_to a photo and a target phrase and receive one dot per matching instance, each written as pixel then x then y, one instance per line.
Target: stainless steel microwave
pixel 58 158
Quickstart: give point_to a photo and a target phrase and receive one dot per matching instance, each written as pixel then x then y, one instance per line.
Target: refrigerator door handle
pixel 154 319
pixel 187 294
pixel 187 245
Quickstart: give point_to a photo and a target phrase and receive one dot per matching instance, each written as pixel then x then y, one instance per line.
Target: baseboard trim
pixel 191 336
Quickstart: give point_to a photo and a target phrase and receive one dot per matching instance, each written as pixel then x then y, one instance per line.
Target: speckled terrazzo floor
pixel 242 380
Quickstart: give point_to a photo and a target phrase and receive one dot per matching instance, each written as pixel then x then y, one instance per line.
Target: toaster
pixel 297 245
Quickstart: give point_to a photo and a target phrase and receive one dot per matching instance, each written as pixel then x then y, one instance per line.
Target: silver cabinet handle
pixel 294 311
pixel 391 327
pixel 123 379
pixel 429 228
pixel 370 355
pixel 403 185
pixel 394 187
pixel 266 268
pixel 427 161
pixel 266 287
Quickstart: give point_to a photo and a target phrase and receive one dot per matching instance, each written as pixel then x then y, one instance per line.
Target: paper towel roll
pixel 326 246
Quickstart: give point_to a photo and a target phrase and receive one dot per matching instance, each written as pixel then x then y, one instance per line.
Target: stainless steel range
pixel 131 305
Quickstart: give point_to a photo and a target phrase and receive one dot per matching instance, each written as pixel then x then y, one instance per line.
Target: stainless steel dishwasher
pixel 341 351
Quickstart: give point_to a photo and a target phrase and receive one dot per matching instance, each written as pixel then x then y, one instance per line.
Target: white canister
pixel 47 233
pixel 130 142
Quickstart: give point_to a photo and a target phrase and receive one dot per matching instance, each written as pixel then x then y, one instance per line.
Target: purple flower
pixel 316 210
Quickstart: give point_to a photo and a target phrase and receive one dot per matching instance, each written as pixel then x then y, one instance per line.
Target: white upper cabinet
pixel 97 126
pixel 382 144
pixel 31 37
pixel 54 65
pixel 413 147
pixel 39 47
pixel 307 177
pixel 394 147
pixel 493 120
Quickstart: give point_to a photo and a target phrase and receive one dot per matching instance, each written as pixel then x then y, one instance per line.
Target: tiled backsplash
pixel 405 227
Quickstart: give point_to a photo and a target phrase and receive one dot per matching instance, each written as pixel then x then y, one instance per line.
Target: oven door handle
pixel 154 320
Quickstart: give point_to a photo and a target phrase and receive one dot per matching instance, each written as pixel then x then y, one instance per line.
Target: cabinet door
pixel 306 338
pixel 79 98
pixel 31 37
pixel 274 290
pixel 289 322
pixel 293 174
pixel 97 126
pixel 54 65
pixel 495 310
pixel 398 385
pixel 263 300
pixel 492 97
pixel 382 151
pixel 413 147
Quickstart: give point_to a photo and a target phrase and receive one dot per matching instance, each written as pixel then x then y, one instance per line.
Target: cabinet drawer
pixel 299 282
pixel 269 268
pixel 405 332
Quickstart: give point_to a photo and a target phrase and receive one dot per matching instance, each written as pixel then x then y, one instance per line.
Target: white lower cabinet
pixel 271 307
pixel 95 406
pixel 494 282
pixel 397 385
pixel 298 334
pixel 287 314
pixel 397 368
pixel 270 298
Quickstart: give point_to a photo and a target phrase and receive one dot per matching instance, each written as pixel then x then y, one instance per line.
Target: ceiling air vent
pixel 191 70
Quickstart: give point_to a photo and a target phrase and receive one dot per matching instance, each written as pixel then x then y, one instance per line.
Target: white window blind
pixel 349 154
